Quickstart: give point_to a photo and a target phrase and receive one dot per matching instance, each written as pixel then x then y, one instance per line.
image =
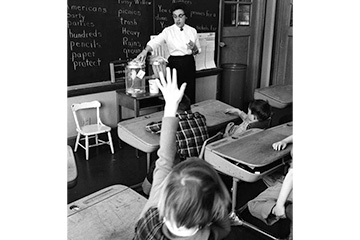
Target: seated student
pixel 192 131
pixel 276 201
pixel 190 136
pixel 258 110
pixel 188 200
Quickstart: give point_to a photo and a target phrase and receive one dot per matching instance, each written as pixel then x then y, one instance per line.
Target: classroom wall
pixel 206 88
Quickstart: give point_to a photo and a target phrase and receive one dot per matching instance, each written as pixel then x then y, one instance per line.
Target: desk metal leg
pixel 235 220
pixel 119 119
pixel 234 193
pixel 240 222
pixel 136 108
pixel 148 159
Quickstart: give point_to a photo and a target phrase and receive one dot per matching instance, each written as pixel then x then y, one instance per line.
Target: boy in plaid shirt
pixel 192 131
pixel 190 135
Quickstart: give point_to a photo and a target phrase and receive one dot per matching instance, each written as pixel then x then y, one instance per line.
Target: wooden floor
pixel 104 169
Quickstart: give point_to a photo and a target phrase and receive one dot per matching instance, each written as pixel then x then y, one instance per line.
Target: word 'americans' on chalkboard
pixel 103 31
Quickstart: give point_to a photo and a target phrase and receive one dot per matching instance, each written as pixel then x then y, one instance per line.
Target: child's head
pixel 193 195
pixel 184 105
pixel 260 109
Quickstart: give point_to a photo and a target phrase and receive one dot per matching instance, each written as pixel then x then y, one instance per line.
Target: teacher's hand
pixel 192 46
pixel 142 56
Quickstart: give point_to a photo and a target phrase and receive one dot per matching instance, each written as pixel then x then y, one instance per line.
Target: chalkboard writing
pixel 103 31
pixel 203 14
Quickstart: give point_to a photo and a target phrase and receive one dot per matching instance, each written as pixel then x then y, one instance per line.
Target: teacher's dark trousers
pixel 186 70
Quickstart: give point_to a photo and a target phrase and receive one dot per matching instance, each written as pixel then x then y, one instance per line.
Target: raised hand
pixel 171 93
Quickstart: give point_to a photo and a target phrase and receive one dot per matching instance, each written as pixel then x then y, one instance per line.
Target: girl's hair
pixel 182 6
pixel 261 109
pixel 193 195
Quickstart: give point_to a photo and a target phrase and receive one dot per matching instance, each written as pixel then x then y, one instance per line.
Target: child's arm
pixel 170 122
pixel 236 111
pixel 167 151
pixel 283 143
pixel 279 209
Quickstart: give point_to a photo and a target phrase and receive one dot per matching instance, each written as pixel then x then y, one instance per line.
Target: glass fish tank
pixel 135 78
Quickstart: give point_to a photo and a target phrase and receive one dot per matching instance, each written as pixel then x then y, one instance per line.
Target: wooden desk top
pixel 133 131
pixel 278 96
pixel 254 150
pixel 110 213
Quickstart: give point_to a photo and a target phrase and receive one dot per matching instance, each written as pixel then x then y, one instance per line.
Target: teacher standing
pixel 183 43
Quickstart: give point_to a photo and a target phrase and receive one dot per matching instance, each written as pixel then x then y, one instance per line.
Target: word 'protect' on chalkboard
pixel 103 31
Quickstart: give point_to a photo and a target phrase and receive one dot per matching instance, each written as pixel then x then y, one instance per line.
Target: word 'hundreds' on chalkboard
pixel 103 31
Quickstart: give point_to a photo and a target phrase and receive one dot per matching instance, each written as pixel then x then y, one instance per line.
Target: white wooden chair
pixel 91 130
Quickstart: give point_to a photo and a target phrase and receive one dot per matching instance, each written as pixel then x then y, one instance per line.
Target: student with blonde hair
pixel 187 200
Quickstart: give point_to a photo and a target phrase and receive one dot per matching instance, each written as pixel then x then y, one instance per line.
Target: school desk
pixel 251 156
pixel 110 213
pixel 133 131
pixel 248 157
pixel 280 98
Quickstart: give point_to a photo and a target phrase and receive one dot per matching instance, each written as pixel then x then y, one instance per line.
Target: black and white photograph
pixel 180 119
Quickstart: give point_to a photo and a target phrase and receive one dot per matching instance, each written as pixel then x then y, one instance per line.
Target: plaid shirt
pixel 190 136
pixel 149 226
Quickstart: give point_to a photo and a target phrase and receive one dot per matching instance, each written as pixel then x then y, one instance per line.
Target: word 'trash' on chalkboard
pixel 103 31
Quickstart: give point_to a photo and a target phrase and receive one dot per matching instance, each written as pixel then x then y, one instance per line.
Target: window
pixel 237 13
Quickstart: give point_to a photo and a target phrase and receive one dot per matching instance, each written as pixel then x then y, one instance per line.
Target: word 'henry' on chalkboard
pixel 101 32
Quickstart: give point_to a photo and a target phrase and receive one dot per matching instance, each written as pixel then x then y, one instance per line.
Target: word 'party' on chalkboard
pixel 102 31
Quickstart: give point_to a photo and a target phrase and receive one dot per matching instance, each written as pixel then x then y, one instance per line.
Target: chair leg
pixel 87 147
pixel 110 143
pixel 77 142
pixel 96 139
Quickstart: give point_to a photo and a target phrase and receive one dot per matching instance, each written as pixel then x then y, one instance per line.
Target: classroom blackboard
pixel 103 31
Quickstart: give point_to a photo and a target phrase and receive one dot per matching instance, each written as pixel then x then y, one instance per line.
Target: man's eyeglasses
pixel 178 16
